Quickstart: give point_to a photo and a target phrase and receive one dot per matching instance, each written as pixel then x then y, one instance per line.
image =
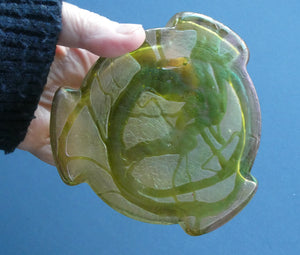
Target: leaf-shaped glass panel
pixel 168 133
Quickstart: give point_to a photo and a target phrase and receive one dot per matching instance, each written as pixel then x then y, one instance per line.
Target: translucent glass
pixel 168 133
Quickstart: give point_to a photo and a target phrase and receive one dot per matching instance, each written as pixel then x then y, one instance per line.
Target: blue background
pixel 39 214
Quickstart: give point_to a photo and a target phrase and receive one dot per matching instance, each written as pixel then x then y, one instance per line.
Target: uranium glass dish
pixel 168 133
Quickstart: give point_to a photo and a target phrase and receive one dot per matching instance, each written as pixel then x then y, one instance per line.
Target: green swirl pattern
pixel 168 133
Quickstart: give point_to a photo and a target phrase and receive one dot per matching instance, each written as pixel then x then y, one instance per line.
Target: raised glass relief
pixel 168 133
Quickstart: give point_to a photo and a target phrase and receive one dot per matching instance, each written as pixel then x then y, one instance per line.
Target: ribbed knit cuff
pixel 29 32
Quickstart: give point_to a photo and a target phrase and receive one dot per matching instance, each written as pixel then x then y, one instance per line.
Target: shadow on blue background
pixel 39 214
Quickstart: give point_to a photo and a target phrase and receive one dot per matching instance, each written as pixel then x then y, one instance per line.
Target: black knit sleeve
pixel 29 32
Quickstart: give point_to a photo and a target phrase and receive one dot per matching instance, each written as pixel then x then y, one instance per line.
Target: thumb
pixel 99 35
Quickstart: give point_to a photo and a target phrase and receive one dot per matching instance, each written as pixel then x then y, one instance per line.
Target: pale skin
pixel 84 37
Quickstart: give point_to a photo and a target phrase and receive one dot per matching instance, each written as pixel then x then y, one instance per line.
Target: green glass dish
pixel 168 133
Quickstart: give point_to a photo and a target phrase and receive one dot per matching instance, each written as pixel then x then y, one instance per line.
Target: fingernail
pixel 128 28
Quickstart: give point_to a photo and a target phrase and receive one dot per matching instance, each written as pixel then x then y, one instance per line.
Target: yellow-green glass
pixel 168 133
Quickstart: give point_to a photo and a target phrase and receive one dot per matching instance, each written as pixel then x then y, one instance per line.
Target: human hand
pixel 83 38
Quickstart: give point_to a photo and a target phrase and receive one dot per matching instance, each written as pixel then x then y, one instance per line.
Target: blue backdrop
pixel 39 214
